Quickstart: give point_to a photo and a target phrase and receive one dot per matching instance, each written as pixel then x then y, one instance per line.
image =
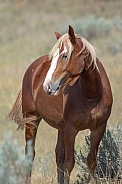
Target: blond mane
pixel 65 41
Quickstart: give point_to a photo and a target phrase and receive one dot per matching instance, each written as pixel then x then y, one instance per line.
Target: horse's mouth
pixel 62 84
pixel 55 93
pixel 53 89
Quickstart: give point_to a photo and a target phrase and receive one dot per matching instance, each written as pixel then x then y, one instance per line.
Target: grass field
pixel 26 32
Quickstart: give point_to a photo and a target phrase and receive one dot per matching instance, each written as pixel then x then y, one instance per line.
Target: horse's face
pixel 67 62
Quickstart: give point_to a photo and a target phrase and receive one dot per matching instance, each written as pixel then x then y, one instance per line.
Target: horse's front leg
pixel 30 136
pixel 60 156
pixel 69 140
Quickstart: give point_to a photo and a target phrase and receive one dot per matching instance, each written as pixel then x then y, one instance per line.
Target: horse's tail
pixel 16 111
pixel 17 115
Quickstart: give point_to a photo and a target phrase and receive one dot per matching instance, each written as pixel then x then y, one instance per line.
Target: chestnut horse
pixel 70 90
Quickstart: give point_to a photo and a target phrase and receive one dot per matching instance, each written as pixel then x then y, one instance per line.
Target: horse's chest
pixel 85 115
pixel 50 109
pixel 80 116
pixel 81 113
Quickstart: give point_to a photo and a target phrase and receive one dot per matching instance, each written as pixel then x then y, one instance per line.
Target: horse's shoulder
pixel 35 73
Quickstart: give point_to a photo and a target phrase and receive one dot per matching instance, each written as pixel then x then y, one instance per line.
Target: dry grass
pixel 26 32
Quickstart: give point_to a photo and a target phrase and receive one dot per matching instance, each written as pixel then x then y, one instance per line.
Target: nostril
pixel 49 89
pixel 48 86
pixel 58 88
pixel 49 92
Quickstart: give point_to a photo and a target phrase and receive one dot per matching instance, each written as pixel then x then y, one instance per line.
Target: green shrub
pixel 109 157
pixel 91 27
pixel 106 32
pixel 117 23
pixel 114 47
pixel 13 164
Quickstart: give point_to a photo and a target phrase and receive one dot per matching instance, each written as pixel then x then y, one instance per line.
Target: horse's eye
pixel 64 57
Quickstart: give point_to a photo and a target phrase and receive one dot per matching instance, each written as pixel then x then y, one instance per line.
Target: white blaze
pixel 65 50
pixel 50 72
pixel 52 68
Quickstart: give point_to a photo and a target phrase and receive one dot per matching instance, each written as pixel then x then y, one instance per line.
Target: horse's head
pixel 67 60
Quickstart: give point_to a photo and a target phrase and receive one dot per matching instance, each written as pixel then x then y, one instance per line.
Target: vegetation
pixel 93 28
pixel 26 32
pixel 13 163
pixel 109 158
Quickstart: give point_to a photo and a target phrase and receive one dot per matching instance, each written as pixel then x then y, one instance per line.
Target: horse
pixel 70 90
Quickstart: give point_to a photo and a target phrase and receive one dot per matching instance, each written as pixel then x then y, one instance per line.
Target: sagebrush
pixel 108 157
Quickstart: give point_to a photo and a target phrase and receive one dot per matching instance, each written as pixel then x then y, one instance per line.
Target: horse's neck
pixel 90 82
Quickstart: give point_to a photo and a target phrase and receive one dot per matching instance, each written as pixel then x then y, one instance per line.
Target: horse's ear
pixel 71 35
pixel 57 35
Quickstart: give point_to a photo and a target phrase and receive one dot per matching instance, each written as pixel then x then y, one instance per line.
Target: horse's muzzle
pixel 52 89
